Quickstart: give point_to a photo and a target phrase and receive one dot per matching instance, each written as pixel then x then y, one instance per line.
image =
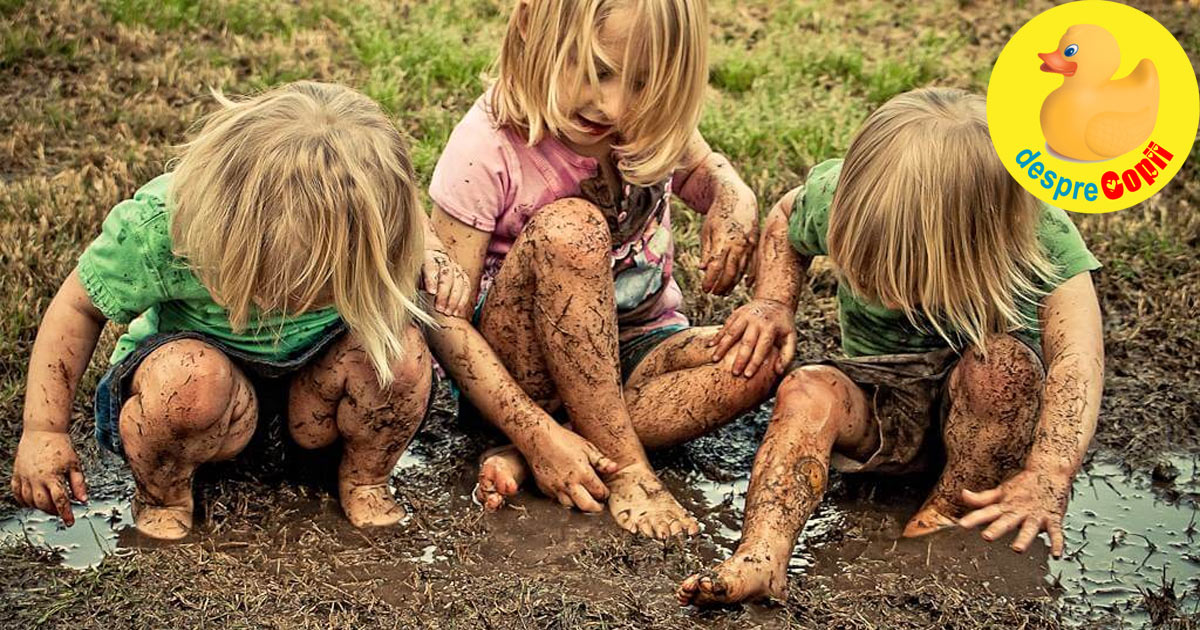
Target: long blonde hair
pixel 926 219
pixel 551 48
pixel 298 196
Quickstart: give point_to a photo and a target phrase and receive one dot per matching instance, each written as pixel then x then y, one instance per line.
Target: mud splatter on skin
pixel 993 412
pixel 340 396
pixel 190 405
pixel 787 482
pixel 562 348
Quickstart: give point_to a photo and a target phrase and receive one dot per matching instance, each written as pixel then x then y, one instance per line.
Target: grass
pixel 95 93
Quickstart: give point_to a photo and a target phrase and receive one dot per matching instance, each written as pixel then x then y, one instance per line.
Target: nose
pixel 609 101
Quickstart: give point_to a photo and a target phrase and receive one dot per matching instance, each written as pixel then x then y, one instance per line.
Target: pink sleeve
pixel 471 181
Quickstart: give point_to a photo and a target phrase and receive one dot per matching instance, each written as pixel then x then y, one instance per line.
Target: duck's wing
pixel 1131 106
pixel 1112 133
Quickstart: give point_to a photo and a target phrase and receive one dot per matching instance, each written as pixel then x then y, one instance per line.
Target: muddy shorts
pixel 268 448
pixel 909 401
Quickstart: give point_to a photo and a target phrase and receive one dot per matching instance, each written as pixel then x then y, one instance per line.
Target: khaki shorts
pixel 909 402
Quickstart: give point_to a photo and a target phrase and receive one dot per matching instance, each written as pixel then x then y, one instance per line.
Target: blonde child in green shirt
pixel 968 318
pixel 284 248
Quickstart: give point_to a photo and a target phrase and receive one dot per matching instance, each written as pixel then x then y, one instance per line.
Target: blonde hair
pixel 926 219
pixel 297 196
pixel 551 48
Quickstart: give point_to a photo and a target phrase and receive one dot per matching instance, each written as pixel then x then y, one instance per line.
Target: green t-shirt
pixel 133 277
pixel 872 329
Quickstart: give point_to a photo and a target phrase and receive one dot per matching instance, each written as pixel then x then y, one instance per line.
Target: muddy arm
pixel 1073 345
pixel 781 269
pixel 46 471
pixel 708 184
pixel 64 346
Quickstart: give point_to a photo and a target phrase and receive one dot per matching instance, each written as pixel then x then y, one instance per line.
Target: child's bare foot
pixel 502 470
pixel 934 516
pixel 745 576
pixel 370 505
pixel 164 522
pixel 640 504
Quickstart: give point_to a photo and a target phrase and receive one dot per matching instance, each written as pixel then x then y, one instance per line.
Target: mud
pixel 1126 534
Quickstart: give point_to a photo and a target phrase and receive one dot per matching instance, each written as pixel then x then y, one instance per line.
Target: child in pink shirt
pixel 553 194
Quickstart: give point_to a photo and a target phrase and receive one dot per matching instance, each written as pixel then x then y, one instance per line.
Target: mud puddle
pixel 1125 534
pixel 97 531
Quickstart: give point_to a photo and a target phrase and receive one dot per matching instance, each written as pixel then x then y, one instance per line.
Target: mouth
pixel 1055 62
pixel 593 128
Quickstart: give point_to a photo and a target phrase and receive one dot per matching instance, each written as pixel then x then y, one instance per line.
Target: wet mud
pixel 1127 534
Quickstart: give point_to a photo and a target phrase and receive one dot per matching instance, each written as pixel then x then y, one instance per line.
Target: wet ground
pixel 1128 534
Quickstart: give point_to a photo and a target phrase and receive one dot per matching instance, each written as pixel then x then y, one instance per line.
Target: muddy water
pixel 96 533
pixel 1124 533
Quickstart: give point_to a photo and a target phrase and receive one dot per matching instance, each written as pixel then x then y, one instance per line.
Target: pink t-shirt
pixel 490 179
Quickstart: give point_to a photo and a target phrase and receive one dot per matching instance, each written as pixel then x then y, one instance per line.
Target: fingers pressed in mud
pixel 640 504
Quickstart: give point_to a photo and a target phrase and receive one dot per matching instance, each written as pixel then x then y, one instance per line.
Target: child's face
pixel 596 111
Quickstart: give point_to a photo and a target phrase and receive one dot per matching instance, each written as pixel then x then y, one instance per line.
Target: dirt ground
pixel 89 106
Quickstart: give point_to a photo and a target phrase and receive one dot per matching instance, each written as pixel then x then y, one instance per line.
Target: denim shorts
pixel 269 377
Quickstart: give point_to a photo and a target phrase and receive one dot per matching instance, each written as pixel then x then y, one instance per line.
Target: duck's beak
pixel 1056 62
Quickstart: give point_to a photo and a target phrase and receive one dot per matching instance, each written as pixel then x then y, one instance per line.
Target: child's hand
pixel 755 328
pixel 447 282
pixel 1033 500
pixel 565 466
pixel 45 464
pixel 727 243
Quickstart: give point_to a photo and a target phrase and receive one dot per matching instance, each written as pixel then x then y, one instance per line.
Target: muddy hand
pixel 46 464
pixel 447 282
pixel 567 468
pixel 754 329
pixel 726 249
pixel 1034 501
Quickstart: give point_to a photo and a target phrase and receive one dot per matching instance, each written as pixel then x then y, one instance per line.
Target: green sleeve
pixel 117 270
pixel 1063 245
pixel 808 227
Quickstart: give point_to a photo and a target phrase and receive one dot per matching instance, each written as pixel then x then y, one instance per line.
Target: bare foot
pixel 370 505
pixel 935 515
pixel 164 522
pixel 640 504
pixel 502 470
pixel 745 576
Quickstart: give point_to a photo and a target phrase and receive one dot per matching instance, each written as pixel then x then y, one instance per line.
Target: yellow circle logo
pixel 1093 106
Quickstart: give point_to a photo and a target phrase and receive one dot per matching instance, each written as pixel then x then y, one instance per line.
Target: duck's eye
pixel 1071 50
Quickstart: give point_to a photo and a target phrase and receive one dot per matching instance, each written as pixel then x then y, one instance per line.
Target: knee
pixel 814 395
pixel 412 369
pixel 185 386
pixel 572 231
pixel 1008 374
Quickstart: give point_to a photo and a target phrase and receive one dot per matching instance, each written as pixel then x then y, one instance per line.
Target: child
pixel 284 245
pixel 553 194
pixel 951 278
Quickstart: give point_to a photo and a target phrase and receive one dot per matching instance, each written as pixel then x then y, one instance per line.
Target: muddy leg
pixel 994 403
pixel 188 405
pixel 340 395
pixel 818 409
pixel 551 318
pixel 676 394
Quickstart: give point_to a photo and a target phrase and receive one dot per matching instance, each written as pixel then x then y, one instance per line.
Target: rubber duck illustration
pixel 1093 117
